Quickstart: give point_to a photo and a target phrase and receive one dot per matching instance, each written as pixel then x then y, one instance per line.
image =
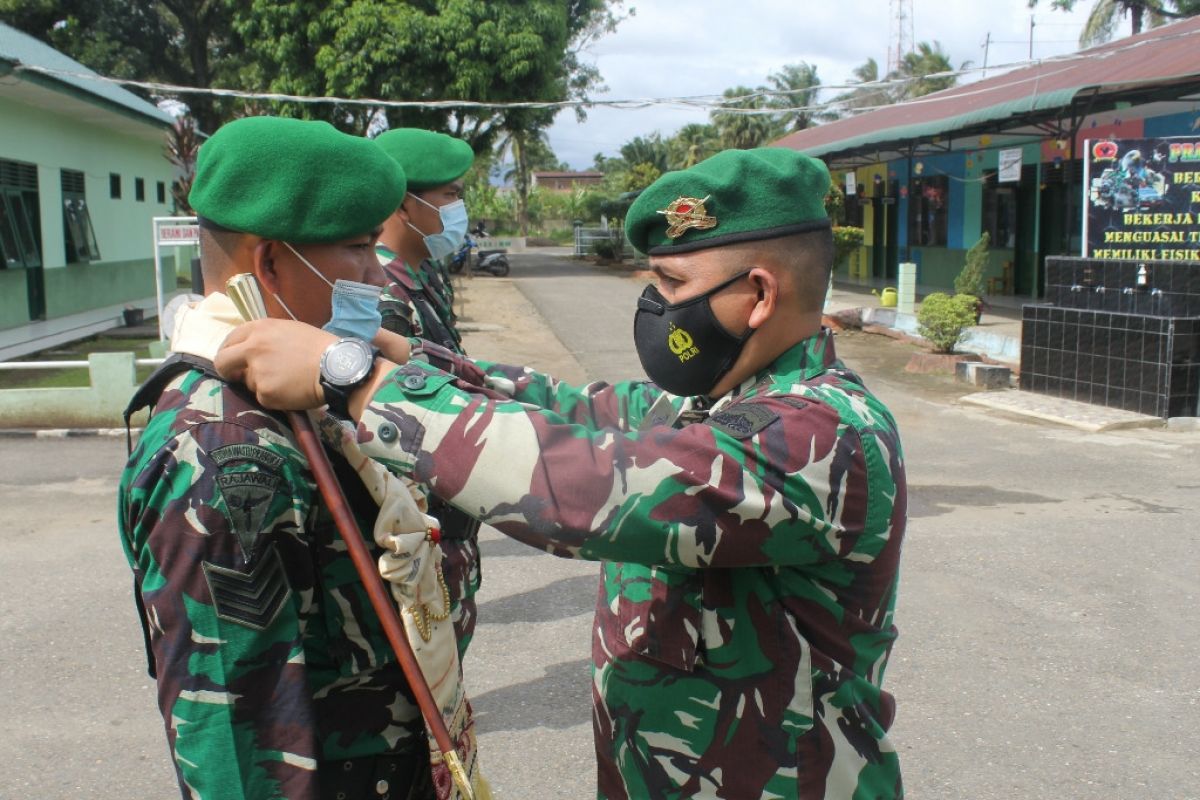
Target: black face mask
pixel 682 347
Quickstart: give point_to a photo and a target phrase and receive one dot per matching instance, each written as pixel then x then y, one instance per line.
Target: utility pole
pixel 987 41
pixel 1031 24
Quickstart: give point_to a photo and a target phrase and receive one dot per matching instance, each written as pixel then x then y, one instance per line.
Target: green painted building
pixel 82 174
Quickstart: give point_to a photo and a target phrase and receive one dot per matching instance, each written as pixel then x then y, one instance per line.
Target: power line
pixel 706 102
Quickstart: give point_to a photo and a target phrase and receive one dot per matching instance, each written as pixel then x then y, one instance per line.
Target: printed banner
pixel 1141 199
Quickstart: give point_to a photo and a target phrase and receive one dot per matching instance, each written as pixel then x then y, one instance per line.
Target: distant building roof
pixel 552 174
pixel 1157 65
pixel 21 49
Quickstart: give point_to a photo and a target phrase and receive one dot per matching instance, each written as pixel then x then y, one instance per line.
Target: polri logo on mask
pixel 682 344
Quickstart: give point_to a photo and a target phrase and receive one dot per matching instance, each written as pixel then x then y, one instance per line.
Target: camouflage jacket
pixel 269 657
pixel 418 302
pixel 750 554
pixel 415 303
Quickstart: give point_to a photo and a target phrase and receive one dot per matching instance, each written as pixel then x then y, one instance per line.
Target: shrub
pixel 970 280
pixel 942 319
pixel 846 239
pixel 606 249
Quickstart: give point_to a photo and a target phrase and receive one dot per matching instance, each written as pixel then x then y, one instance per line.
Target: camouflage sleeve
pixel 781 480
pixel 594 405
pixel 211 528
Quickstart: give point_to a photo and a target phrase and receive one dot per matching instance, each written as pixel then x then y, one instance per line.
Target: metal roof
pixel 1155 65
pixel 24 50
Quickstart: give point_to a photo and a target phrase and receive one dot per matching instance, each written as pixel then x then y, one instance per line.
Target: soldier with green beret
pixel 428 227
pixel 275 677
pixel 418 300
pixel 748 501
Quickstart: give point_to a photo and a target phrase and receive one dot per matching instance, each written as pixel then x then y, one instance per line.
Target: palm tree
pixel 1106 14
pixel 866 96
pixel 740 130
pixel 916 67
pixel 798 86
pixel 691 144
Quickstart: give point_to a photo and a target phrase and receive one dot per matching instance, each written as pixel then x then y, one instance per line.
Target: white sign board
pixel 1010 166
pixel 851 184
pixel 170 232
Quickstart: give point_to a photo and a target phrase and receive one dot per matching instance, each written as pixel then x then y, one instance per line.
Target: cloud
pixel 671 49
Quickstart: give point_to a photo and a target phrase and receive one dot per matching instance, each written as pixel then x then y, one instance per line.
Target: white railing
pixel 586 238
pixel 11 365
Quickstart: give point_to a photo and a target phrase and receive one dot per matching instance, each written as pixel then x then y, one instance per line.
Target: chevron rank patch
pixel 743 420
pixel 252 599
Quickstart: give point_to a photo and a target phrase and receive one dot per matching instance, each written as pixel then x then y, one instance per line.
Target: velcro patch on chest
pixel 743 420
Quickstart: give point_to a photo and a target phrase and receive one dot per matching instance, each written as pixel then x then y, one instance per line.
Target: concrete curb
pixel 1072 413
pixel 63 433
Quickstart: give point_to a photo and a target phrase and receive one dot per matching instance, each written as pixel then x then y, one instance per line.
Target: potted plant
pixel 970 280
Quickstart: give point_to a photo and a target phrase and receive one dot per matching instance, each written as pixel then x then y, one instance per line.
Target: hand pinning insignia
pixel 687 212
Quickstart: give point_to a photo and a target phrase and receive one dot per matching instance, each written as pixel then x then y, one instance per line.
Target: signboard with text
pixel 1141 199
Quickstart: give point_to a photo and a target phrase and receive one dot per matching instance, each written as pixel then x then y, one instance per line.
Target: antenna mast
pixel 900 34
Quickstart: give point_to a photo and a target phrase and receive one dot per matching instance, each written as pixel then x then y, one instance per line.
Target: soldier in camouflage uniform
pixel 748 505
pixel 275 678
pixel 419 301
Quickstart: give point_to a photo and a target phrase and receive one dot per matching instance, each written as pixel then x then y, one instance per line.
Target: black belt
pixel 456 525
pixel 393 776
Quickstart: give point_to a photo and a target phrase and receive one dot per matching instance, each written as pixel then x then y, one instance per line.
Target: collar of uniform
pixel 803 361
pixel 201 328
pixel 397 270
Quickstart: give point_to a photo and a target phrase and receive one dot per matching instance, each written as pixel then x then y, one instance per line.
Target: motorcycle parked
pixel 493 262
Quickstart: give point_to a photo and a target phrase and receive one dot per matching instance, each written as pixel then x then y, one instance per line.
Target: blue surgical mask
pixel 355 305
pixel 454 229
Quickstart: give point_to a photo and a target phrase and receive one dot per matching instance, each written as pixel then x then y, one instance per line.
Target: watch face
pixel 346 362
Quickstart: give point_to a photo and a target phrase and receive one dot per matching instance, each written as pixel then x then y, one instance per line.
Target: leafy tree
pixel 971 279
pixel 649 149
pixel 1102 22
pixel 641 176
pixel 186 42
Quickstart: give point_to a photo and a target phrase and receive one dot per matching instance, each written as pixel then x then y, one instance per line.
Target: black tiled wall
pixel 1112 286
pixel 1148 364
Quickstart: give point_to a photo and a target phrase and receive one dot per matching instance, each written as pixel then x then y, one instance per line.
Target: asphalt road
pixel 1049 596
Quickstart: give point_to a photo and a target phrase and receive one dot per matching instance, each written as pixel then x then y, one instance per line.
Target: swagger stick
pixel 243 291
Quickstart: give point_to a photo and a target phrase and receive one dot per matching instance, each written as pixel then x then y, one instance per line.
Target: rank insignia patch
pixel 251 599
pixel 684 213
pixel 743 420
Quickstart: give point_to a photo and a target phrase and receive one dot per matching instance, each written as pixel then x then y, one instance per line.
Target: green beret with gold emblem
pixel 735 196
pixel 294 180
pixel 429 159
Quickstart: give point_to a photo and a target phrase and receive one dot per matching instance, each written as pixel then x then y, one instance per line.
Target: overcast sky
pixel 672 48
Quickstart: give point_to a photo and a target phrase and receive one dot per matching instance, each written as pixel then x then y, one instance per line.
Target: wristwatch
pixel 345 365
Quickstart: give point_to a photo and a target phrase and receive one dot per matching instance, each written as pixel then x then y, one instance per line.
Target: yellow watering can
pixel 887 299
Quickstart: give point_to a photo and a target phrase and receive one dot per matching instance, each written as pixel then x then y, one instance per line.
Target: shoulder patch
pixel 248 497
pixel 743 420
pixel 247 452
pixel 250 599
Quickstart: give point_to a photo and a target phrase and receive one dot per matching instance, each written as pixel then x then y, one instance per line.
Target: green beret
pixel 294 180
pixel 429 159
pixel 735 196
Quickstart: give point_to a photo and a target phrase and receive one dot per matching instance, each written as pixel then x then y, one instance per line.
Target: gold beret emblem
pixel 687 212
